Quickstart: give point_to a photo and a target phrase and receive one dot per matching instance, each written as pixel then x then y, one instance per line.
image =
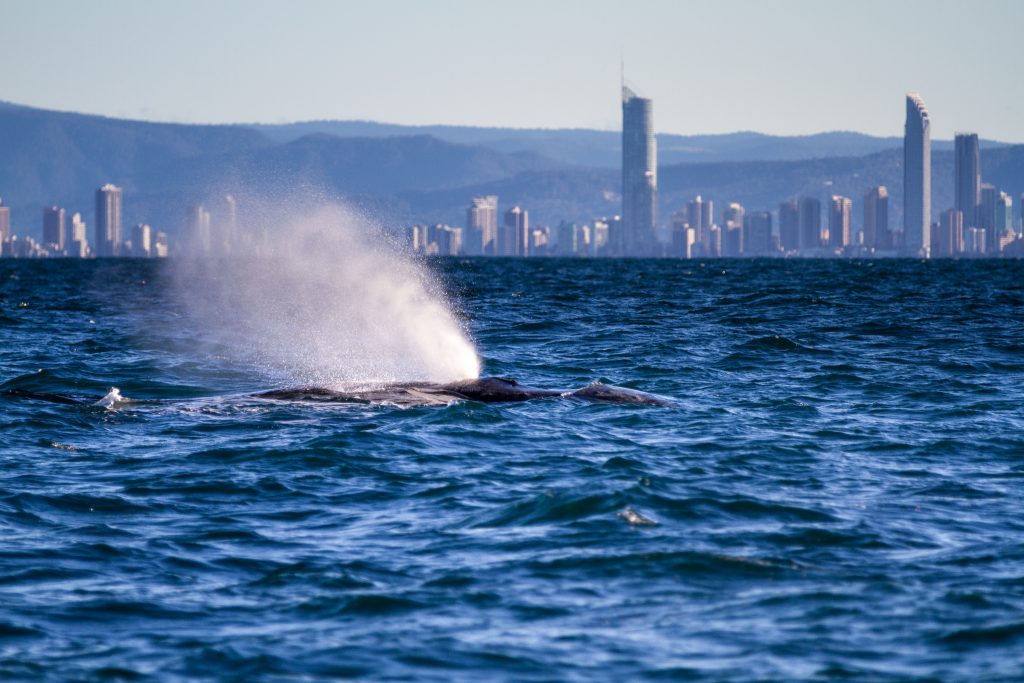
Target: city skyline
pixel 981 222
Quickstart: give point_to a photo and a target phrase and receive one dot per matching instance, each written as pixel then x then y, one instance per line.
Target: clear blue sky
pixel 776 66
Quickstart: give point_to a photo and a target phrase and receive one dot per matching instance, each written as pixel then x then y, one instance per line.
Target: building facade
pixel 917 178
pixel 840 213
pixel 481 226
pixel 639 175
pixel 757 234
pixel 810 224
pixel 789 225
pixel 54 236
pixel 107 230
pixel 876 219
pixel 967 195
pixel 515 233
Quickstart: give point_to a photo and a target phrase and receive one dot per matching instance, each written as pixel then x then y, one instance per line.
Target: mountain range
pixel 404 174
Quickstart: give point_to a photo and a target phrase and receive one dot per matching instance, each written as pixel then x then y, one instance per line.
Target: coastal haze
pixel 410 175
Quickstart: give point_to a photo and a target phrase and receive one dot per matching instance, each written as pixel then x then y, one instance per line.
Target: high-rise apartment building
pixel 840 213
pixel 78 244
pixel 482 226
pixel 568 236
pixel 53 228
pixel 810 223
pixel 985 214
pixel 757 233
pixel 917 178
pixel 968 178
pixel 1004 213
pixel 732 230
pixel 142 240
pixel 515 233
pixel 683 236
pixel 789 225
pixel 599 238
pixel 444 240
pixel 949 241
pixel 699 214
pixel 107 230
pixel 639 175
pixel 876 219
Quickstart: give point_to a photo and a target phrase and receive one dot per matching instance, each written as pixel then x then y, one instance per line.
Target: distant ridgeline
pixel 429 175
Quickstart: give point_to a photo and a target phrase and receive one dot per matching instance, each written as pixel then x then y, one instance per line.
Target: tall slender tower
pixel 639 175
pixel 108 220
pixel 968 178
pixel 917 178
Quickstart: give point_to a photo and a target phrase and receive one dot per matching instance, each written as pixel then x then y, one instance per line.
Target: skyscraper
pixel 985 214
pixel 732 230
pixel 599 241
pixel 968 178
pixel 108 220
pixel 917 178
pixel 683 236
pixel 78 245
pixel 481 226
pixel 515 233
pixel 5 222
pixel 53 228
pixel 1004 213
pixel 142 240
pixel 639 175
pixel 698 215
pixel 757 233
pixel 839 214
pixel 568 236
pixel 950 239
pixel 876 219
pixel 810 223
pixel 789 225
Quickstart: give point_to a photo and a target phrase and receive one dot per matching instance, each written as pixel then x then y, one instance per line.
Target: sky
pixel 785 67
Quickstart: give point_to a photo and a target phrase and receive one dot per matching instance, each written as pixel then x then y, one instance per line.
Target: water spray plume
pixel 325 297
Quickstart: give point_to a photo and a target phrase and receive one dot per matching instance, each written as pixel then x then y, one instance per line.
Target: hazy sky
pixel 776 66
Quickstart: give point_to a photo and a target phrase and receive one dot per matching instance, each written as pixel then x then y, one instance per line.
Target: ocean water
pixel 838 493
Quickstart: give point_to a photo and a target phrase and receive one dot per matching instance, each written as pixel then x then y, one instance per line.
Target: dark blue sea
pixel 836 495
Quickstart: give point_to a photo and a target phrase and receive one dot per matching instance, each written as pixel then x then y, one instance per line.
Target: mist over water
pixel 322 295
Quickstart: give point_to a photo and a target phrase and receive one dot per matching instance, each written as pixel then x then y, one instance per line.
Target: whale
pixel 402 394
pixel 482 390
